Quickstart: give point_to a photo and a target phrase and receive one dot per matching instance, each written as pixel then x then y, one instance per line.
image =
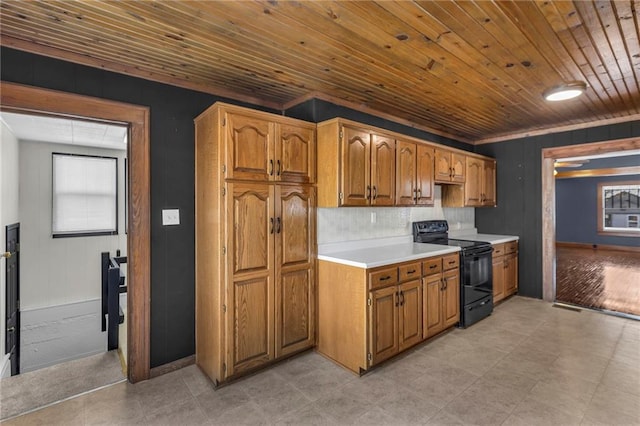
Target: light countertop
pixel 374 256
pixel 488 238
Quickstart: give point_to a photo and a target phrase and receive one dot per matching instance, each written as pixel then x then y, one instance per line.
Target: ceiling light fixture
pixel 565 91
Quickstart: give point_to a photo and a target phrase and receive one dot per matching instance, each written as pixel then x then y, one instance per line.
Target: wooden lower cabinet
pixel 366 316
pixel 396 319
pixel 441 295
pixel 510 273
pixel 384 323
pixel 505 270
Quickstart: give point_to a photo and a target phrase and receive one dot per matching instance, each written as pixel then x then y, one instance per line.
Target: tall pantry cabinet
pixel 255 239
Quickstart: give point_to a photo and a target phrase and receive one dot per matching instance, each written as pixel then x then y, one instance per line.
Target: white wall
pixel 354 223
pixel 58 271
pixel 60 277
pixel 9 181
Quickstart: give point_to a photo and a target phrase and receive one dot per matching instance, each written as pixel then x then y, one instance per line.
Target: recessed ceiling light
pixel 565 91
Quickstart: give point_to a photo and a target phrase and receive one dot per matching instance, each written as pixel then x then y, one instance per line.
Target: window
pixel 84 195
pixel 619 208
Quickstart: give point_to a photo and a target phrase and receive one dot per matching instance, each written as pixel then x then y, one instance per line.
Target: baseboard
pixel 172 366
pixel 597 246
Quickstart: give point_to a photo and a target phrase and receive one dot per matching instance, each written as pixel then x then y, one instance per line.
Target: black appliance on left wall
pixel 476 269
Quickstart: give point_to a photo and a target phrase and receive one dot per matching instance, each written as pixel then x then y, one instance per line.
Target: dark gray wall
pixel 519 186
pixel 317 110
pixel 577 211
pixel 172 182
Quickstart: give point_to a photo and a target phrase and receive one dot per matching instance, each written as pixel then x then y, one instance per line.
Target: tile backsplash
pixel 355 223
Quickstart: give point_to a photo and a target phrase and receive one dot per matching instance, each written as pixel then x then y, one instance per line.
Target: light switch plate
pixel 171 217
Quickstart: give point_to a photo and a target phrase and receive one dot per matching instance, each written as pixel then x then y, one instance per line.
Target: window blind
pixel 84 195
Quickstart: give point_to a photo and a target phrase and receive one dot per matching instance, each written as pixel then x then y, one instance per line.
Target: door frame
pixel 28 99
pixel 549 155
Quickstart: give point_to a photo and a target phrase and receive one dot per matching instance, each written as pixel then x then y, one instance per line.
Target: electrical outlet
pixel 373 217
pixel 170 217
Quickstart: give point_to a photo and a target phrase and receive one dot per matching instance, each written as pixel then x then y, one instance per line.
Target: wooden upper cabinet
pixel 424 174
pixel 260 149
pixel 473 185
pixel 458 165
pixel 406 191
pixel 356 162
pixel 480 187
pixel 414 174
pixel 489 183
pixel 383 155
pixel 249 147
pixel 449 166
pixel 296 153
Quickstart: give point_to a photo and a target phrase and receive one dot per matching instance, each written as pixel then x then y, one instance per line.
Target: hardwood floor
pixel 599 279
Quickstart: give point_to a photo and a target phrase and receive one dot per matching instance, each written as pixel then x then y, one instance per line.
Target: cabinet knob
pixel 6 254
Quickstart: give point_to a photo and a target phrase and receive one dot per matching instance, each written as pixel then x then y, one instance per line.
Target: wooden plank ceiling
pixel 474 70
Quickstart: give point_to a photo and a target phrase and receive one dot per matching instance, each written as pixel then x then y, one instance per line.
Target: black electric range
pixel 476 269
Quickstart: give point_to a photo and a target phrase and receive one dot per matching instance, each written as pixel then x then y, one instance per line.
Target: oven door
pixel 477 274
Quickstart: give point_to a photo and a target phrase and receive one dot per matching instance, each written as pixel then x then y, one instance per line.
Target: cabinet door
pixel 294 242
pixel 410 314
pixel 249 148
pixel 498 278
pixel 442 165
pixel 250 293
pixel 510 274
pixel 406 173
pixel 458 166
pixel 451 297
pixel 383 156
pixel 424 174
pixel 489 183
pixel 384 324
pixel 356 161
pixel 473 186
pixel 295 154
pixel 251 223
pixel 432 311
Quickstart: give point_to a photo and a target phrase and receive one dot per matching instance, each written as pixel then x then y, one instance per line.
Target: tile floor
pixel 527 364
pixel 28 391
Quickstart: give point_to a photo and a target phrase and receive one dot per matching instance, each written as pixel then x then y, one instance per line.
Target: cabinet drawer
pixel 498 250
pixel 409 272
pixel 510 247
pixel 451 261
pixel 432 266
pixel 383 277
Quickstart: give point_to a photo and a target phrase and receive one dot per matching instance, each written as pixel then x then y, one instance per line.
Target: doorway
pixel 26 99
pixel 597 232
pixel 72 208
pixel 549 158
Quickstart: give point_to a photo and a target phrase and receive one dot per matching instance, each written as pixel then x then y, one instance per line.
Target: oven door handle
pixel 479 253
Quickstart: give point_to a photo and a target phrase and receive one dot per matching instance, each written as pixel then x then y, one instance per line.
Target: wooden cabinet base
pixel 366 316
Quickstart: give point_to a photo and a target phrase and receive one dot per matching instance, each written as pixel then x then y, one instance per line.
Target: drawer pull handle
pixel 388 277
pixel 433 266
pixel 452 262
pixel 413 271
